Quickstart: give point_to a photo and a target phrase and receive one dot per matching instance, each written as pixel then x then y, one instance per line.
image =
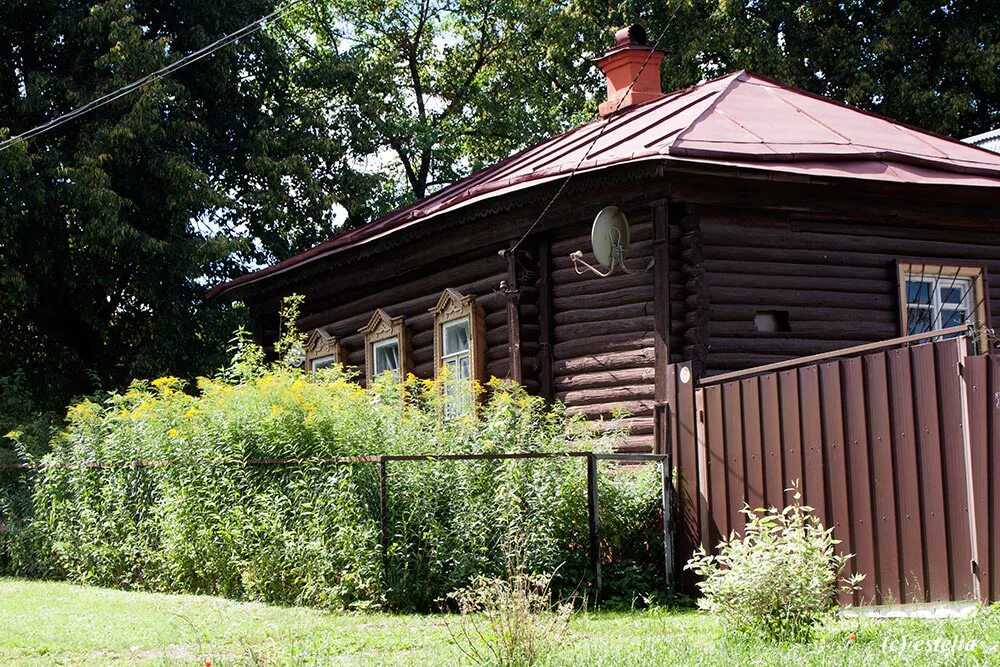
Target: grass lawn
pixel 44 623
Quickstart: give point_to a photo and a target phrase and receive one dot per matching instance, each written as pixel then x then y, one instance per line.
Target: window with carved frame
pixel 459 349
pixel 938 295
pixel 386 346
pixel 321 350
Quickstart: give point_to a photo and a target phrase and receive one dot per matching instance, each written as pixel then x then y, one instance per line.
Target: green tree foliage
pixel 929 63
pixel 113 226
pixel 431 90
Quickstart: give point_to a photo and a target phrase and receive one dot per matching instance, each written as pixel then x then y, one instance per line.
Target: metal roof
pixel 741 120
pixel 988 140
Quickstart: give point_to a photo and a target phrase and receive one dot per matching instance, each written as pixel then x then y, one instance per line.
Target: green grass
pixel 44 623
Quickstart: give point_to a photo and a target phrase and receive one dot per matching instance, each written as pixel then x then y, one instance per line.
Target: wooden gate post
pixel 963 396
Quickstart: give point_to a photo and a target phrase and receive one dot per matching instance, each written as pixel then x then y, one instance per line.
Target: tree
pixel 928 63
pixel 431 90
pixel 113 226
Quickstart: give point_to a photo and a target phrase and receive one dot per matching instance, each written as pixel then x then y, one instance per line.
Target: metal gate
pixel 896 445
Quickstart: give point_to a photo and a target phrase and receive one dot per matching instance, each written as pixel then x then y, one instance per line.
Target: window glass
pixel 322 362
pixel 456 337
pixel 457 359
pixel 385 355
pixel 945 301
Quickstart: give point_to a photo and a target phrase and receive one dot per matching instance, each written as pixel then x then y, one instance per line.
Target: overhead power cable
pixel 600 134
pixel 192 57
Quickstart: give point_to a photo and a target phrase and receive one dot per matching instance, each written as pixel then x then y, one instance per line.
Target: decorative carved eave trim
pixel 321 344
pixel 381 327
pixel 453 305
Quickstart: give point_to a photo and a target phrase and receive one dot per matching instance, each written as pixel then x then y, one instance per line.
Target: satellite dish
pixel 609 239
pixel 609 236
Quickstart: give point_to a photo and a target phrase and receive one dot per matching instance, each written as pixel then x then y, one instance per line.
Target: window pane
pixel 918 320
pixel 456 337
pixel 918 292
pixel 952 317
pixel 322 362
pixel 954 293
pixel 386 357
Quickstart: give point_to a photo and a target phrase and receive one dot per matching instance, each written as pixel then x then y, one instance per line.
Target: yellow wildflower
pixel 172 433
pixel 277 411
pixel 167 385
pixel 191 412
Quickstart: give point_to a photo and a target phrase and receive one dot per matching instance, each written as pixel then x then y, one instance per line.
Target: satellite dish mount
pixel 609 239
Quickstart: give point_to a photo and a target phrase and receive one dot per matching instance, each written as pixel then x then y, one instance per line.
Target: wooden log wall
pixel 602 334
pixel 411 296
pixel 836 279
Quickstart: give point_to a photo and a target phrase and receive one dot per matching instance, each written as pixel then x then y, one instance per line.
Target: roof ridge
pixel 734 76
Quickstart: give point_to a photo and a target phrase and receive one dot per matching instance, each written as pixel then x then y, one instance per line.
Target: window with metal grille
pixel 939 296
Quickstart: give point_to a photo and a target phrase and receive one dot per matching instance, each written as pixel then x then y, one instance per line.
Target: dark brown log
pixel 776 297
pixel 640 358
pixel 745 313
pixel 615 378
pixel 606 394
pixel 798 282
pixel 599 285
pixel 808 329
pixel 583 315
pixel 599 344
pixel 609 327
pixel 717 267
pixel 608 299
pixel 606 410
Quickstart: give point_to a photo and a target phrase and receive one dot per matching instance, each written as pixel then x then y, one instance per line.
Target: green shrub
pixel 778 580
pixel 214 522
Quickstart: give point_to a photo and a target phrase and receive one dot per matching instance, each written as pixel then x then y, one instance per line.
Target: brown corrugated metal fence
pixel 898 450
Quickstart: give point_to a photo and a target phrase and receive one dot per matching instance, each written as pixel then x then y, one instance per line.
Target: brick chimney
pixel 623 63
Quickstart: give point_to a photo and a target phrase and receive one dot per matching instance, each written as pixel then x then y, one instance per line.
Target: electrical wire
pixel 192 57
pixel 600 134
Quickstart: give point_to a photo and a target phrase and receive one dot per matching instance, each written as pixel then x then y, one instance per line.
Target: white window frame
pixel 448 357
pixel 378 345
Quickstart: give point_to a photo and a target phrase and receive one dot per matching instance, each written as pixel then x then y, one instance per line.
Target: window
pixel 385 356
pixel 939 296
pixel 386 346
pixel 322 362
pixel 459 347
pixel 322 350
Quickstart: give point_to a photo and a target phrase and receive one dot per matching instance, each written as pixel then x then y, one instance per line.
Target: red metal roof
pixel 741 120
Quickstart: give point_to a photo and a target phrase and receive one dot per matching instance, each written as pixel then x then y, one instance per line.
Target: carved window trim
pixel 452 306
pixel 969 277
pixel 320 346
pixel 383 327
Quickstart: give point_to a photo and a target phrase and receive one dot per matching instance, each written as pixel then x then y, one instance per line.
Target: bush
pixel 778 580
pixel 213 521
